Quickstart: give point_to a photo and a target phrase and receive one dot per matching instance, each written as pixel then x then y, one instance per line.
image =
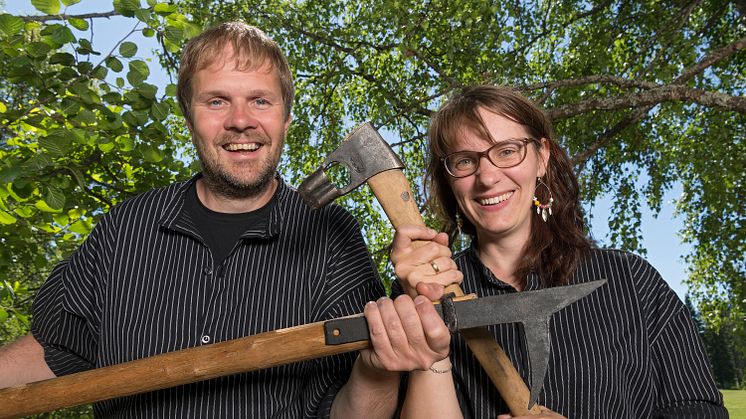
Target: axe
pixel 369 158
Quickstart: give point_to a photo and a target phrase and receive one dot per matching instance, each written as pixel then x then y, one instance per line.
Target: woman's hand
pixel 422 261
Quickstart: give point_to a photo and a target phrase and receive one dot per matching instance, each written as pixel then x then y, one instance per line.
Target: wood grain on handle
pixel 395 196
pixel 170 369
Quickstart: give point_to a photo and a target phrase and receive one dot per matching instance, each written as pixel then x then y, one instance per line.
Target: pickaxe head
pixel 364 153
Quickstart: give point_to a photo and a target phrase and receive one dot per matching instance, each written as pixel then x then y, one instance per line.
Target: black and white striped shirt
pixel 628 350
pixel 144 283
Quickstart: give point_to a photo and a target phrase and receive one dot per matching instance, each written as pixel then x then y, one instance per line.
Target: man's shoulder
pixel 156 199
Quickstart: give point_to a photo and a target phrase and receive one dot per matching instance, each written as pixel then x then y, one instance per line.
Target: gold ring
pixel 435 267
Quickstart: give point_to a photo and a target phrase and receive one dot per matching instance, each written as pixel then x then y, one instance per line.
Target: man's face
pixel 238 126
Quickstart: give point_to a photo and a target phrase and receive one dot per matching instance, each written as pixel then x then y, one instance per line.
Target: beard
pixel 223 182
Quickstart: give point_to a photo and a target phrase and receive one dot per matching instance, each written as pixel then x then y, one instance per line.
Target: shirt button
pixel 207 270
pixel 205 339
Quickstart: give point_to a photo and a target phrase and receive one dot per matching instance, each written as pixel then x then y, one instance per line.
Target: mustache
pixel 237 137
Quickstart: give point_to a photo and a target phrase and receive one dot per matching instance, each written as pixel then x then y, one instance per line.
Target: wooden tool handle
pixel 251 353
pixel 395 196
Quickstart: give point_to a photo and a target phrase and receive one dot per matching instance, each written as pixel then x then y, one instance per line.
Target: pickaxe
pixel 256 352
pixel 369 158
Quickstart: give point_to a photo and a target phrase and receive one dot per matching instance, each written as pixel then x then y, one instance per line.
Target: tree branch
pixel 651 97
pixel 47 18
pixel 711 59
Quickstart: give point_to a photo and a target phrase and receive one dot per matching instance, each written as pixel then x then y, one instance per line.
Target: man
pixel 230 253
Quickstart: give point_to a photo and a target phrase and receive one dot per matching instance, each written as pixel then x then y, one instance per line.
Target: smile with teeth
pixel 242 147
pixel 496 199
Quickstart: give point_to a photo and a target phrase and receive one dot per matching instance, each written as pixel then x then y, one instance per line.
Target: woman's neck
pixel 502 257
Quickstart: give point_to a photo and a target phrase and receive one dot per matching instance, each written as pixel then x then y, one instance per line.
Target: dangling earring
pixel 459 222
pixel 544 209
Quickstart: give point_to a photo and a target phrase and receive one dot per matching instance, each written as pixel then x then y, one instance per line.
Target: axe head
pixel 364 153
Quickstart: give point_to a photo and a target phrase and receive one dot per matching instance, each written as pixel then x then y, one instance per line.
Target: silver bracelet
pixel 437 371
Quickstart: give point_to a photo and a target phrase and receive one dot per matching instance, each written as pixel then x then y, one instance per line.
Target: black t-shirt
pixel 222 231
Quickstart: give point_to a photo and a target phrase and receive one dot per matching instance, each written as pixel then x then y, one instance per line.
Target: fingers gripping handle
pixel 395 196
pixel 392 190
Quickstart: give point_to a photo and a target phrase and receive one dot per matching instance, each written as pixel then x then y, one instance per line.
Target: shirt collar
pixel 176 217
pixel 532 281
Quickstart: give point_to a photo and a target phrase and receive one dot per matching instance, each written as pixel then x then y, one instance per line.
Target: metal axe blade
pixel 318 190
pixel 532 308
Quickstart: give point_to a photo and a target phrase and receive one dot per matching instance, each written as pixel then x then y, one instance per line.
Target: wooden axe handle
pixel 250 353
pixel 395 196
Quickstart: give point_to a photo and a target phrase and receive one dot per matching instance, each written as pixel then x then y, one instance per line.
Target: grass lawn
pixel 735 402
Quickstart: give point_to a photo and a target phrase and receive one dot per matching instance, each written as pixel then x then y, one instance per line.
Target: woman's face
pixel 499 201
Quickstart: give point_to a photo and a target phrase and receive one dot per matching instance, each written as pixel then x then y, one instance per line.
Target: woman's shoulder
pixel 630 272
pixel 617 264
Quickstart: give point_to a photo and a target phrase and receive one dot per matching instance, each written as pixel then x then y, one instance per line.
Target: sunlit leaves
pixel 50 7
pixel 10 25
pixel 76 140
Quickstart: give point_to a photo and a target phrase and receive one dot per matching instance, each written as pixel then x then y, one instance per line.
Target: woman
pixel 497 174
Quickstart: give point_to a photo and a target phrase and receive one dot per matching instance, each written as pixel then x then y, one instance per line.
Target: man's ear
pixel 544 153
pixel 288 120
pixel 190 127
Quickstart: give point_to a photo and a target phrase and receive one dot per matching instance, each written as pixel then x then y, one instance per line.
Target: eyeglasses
pixel 504 154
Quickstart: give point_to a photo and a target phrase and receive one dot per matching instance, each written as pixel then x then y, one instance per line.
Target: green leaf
pixel 3 315
pixel 99 73
pixel 160 111
pixel 10 25
pixel 171 90
pixel 54 197
pixel 24 211
pixel 127 7
pixel 38 49
pixel 138 72
pixel 148 32
pixel 164 9
pixel 61 219
pixel 174 34
pixel 147 91
pixel 9 174
pixel 126 143
pixel 79 24
pixel 150 153
pixel 114 64
pixel 70 2
pixel 61 35
pixel 143 15
pixel 82 227
pixel 128 49
pixel 57 143
pixel 6 218
pixel 50 7
pixel 106 146
pixel 63 58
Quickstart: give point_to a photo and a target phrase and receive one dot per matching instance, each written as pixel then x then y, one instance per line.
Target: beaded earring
pixel 545 210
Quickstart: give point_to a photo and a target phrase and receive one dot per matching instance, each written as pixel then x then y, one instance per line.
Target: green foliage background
pixel 644 95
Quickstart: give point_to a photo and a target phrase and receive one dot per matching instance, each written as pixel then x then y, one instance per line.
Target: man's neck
pixel 230 205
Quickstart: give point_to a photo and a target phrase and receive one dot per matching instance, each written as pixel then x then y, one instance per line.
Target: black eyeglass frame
pixel 486 152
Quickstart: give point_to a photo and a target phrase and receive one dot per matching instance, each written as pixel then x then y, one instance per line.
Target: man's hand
pixel 427 269
pixel 405 334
